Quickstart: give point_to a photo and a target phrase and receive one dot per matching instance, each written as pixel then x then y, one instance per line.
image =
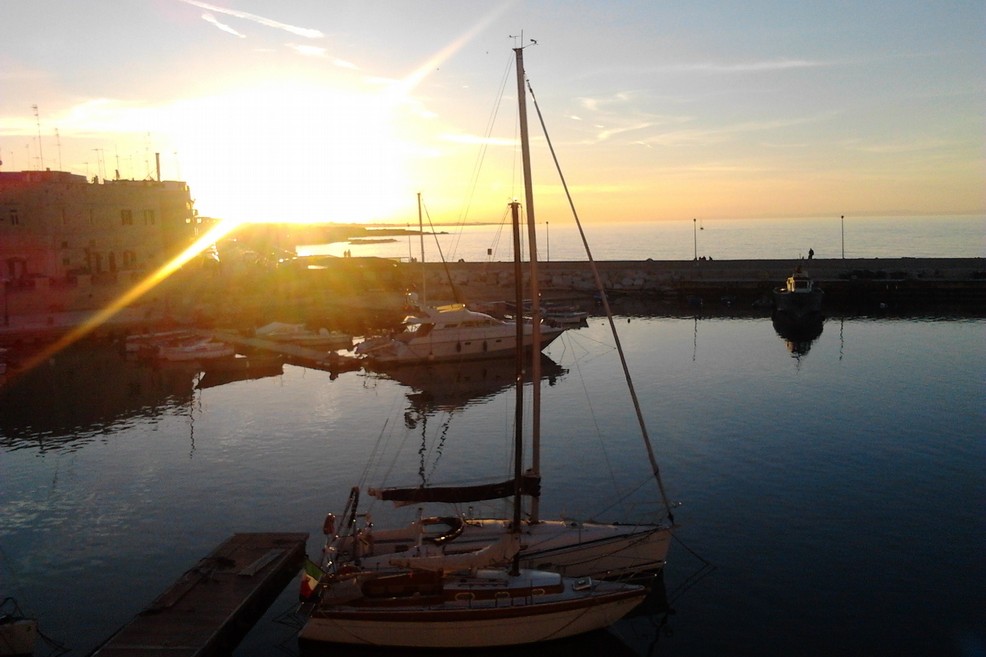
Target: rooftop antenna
pixel 37 119
pixel 100 163
pixel 58 144
pixel 147 157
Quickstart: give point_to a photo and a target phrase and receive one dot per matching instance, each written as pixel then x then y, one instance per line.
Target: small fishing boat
pixel 140 342
pixel 202 349
pixel 799 297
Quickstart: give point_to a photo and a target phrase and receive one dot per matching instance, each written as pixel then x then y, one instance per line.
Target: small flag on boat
pixel 311 575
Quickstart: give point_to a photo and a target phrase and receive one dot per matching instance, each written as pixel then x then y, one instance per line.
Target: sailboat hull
pixel 467 620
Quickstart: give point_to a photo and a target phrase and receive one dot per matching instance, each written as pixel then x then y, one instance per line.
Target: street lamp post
pixel 843 237
pixel 695 236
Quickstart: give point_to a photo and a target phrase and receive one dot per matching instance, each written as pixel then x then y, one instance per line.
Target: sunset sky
pixel 322 110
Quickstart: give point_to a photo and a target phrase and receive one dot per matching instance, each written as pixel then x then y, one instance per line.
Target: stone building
pixel 58 227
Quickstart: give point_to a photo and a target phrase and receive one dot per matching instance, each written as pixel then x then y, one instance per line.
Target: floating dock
pixel 213 605
pixel 323 359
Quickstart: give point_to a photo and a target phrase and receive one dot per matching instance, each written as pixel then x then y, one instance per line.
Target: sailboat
pixel 580 549
pixel 443 582
pixel 426 598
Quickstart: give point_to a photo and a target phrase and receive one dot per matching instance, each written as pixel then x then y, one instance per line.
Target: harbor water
pixel 831 488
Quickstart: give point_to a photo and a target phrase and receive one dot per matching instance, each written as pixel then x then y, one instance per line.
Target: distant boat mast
pixel 41 154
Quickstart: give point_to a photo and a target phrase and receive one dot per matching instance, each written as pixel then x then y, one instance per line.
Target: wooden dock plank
pixel 212 606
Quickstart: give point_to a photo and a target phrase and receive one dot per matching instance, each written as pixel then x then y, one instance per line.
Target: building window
pixel 64 218
pixel 127 217
pixel 66 262
pixel 148 217
pixel 64 245
pixel 14 217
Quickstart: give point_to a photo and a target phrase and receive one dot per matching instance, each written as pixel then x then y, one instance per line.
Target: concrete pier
pixel 330 298
pixel 210 608
pixel 925 280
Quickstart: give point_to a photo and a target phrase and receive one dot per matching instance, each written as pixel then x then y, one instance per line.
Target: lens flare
pixel 144 286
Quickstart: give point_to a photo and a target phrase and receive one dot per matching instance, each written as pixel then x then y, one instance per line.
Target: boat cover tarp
pixel 495 554
pixel 530 485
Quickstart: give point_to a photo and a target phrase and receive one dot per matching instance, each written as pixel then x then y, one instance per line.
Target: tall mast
pixel 421 234
pixel 525 148
pixel 518 380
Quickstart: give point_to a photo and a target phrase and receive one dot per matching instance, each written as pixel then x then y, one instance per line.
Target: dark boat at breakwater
pixel 800 297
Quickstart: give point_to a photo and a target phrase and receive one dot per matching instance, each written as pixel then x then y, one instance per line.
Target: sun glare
pixel 134 293
pixel 287 151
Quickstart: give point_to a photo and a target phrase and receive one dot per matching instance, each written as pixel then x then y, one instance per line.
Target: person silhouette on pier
pixel 811 253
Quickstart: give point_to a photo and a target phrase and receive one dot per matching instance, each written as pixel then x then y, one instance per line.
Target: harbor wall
pixel 335 298
pixel 928 279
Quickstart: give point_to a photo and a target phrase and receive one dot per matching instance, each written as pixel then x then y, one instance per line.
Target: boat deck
pixel 212 606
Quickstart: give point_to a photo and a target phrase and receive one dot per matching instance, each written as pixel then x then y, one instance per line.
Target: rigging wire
pixel 619 347
pixel 471 192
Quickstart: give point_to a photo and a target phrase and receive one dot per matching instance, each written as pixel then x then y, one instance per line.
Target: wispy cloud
pixel 209 18
pixel 305 32
pixel 475 139
pixel 309 51
pixel 745 67
pixel 320 52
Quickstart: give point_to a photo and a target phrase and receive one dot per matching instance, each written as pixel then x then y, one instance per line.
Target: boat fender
pixel 329 526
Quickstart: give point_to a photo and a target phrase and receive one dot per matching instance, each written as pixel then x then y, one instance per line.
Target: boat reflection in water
pixel 798 332
pixel 93 387
pixel 447 387
pixel 241 368
pixel 88 388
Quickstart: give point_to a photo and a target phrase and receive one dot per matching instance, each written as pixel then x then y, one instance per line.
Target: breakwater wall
pixel 336 298
pixel 925 280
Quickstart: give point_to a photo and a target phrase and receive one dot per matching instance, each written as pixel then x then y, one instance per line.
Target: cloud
pixel 209 18
pixel 744 67
pixel 260 20
pixel 318 51
pixel 473 139
pixel 309 51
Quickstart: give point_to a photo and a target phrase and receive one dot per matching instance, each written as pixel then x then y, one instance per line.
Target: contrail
pixel 300 31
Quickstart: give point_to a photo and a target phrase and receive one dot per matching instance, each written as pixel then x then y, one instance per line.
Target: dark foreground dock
pixel 213 605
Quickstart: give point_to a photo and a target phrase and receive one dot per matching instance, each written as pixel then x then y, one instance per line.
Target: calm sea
pixel 724 239
pixel 831 491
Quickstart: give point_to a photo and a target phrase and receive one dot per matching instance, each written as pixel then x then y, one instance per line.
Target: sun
pixel 291 150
